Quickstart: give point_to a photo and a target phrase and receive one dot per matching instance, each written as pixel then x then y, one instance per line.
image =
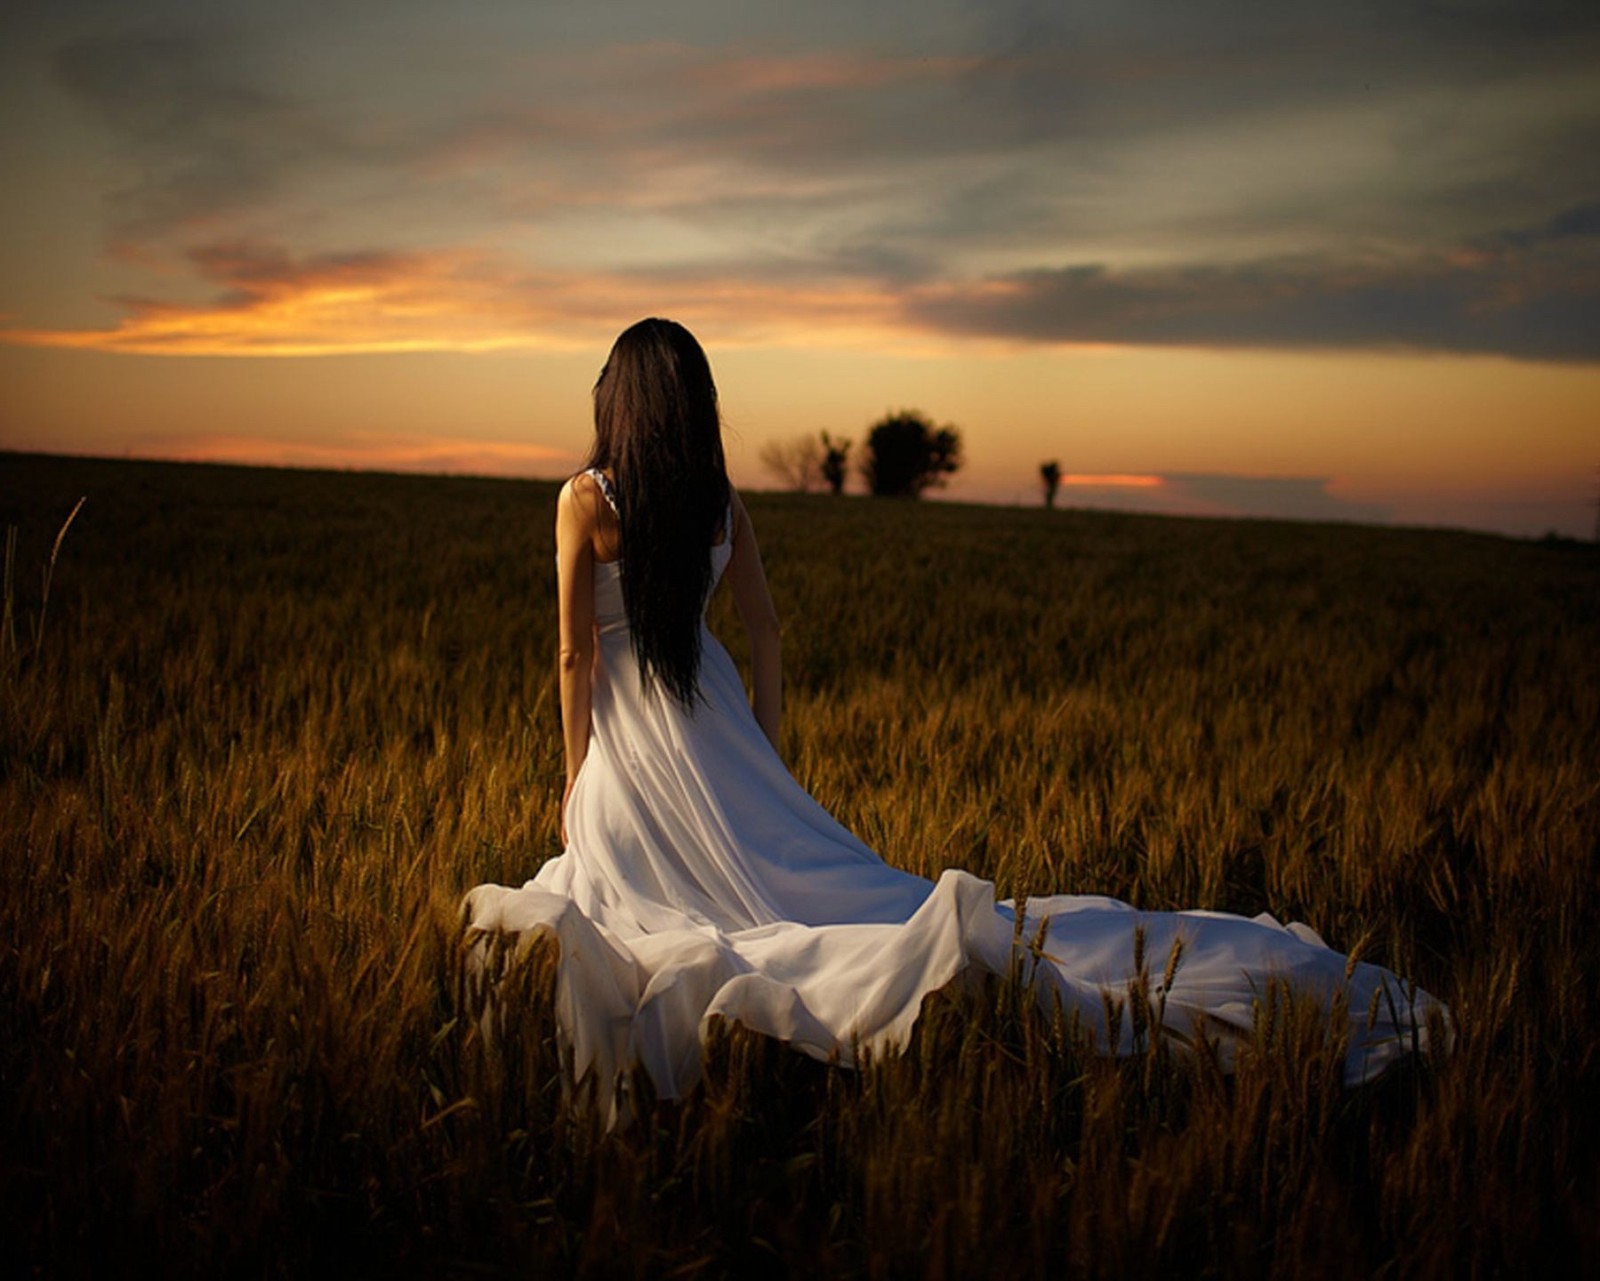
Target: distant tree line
pixel 905 454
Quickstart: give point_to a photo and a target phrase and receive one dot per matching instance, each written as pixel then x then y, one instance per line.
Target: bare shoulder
pixel 582 486
pixel 577 510
pixel 584 515
pixel 579 497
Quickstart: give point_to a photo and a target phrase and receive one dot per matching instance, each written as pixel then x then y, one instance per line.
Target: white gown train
pixel 700 880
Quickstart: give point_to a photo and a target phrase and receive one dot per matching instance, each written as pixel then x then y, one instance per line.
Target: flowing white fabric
pixel 701 880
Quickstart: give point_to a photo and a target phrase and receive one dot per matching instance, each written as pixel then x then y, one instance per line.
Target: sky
pixel 1334 260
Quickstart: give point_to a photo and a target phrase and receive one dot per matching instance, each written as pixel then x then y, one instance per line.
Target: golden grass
pixel 272 725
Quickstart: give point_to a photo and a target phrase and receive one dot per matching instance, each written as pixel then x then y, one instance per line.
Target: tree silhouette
pixel 797 463
pixel 835 462
pixel 1050 474
pixel 907 454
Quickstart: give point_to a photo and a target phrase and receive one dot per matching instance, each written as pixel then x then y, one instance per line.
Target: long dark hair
pixel 658 430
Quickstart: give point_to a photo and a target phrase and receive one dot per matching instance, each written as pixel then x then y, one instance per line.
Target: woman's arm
pixel 754 602
pixel 575 531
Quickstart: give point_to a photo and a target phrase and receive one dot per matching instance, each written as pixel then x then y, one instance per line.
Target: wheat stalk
pixel 49 572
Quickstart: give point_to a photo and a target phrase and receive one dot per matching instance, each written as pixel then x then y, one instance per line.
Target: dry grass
pixel 273 724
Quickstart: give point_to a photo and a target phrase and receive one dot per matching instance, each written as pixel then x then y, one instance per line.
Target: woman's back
pixel 611 615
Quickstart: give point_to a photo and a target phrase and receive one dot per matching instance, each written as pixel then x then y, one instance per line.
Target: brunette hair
pixel 658 430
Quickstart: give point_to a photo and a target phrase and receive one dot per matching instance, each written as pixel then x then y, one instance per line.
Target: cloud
pixel 272 303
pixel 1217 174
pixel 202 135
pixel 1576 224
pixel 1531 294
pixel 1533 305
pixel 1070 136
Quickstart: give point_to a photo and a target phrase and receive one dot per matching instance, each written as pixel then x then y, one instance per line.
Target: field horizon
pixel 262 727
pixel 932 497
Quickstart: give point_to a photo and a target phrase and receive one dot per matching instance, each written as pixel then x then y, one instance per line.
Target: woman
pixel 699 879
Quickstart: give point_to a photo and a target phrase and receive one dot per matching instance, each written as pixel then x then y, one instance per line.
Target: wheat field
pixel 259 730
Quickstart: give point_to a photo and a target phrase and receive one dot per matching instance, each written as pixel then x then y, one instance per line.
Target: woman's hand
pixel 566 796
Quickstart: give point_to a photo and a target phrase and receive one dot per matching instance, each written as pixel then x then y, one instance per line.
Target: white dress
pixel 700 880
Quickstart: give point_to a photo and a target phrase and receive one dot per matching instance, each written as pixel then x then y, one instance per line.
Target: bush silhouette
pixel 907 454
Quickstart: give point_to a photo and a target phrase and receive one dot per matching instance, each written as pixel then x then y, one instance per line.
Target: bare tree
pixel 835 463
pixel 1050 474
pixel 796 462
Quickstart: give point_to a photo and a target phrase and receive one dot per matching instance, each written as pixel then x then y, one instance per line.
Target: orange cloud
pixel 459 301
pixel 275 306
pixel 368 451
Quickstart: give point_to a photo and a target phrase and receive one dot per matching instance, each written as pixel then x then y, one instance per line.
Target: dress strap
pixel 606 487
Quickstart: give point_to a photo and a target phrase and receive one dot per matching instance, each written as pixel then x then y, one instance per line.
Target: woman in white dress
pixel 700 880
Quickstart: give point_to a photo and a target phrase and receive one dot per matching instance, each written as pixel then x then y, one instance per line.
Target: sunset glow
pixel 447 454
pixel 1113 481
pixel 1327 264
